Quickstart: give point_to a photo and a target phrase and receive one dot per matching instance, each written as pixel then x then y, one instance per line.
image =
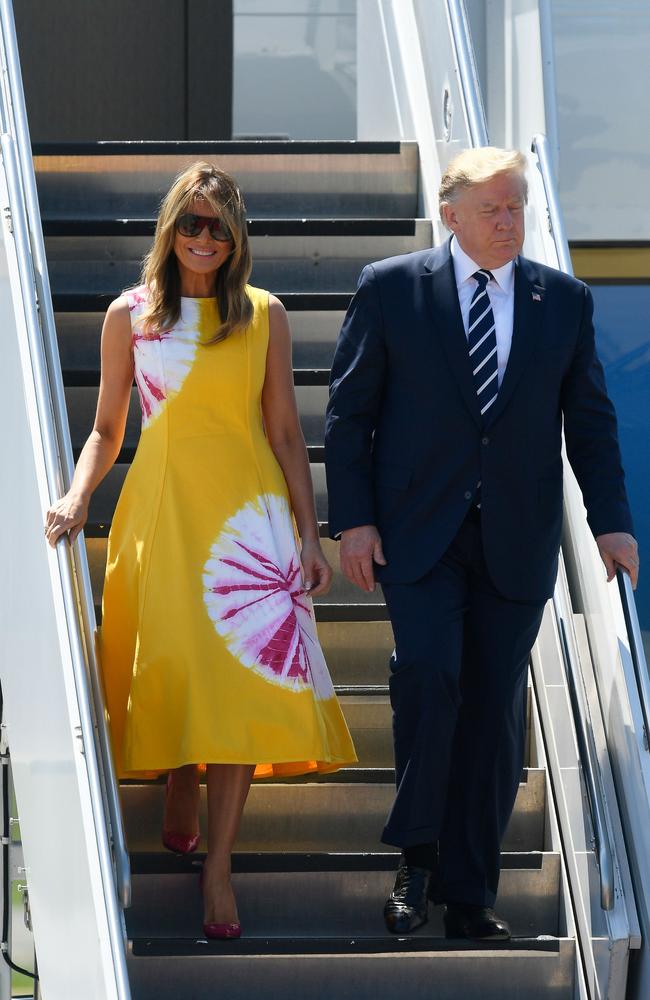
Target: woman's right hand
pixel 69 514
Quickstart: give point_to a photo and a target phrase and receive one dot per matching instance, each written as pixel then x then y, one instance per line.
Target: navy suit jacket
pixel 404 443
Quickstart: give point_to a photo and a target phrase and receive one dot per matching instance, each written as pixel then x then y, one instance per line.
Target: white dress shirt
pixel 501 292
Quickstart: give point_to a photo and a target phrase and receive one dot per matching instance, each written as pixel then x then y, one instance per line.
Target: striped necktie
pixel 482 344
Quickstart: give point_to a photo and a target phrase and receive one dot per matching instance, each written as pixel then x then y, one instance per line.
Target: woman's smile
pixel 201 253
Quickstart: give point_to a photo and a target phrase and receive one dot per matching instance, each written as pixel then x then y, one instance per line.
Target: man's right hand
pixel 360 547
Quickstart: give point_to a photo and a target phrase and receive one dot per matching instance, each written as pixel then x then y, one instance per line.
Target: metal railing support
pixel 637 651
pixel 540 146
pixel 590 770
pixel 464 52
pixel 55 429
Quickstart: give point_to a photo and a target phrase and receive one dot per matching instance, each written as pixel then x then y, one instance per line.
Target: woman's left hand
pixel 316 571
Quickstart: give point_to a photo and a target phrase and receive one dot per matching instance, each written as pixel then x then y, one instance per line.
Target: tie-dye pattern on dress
pixel 208 642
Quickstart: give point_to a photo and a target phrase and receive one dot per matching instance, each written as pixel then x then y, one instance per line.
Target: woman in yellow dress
pixel 208 642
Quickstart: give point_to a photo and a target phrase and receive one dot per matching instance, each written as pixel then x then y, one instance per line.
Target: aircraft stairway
pixel 309 871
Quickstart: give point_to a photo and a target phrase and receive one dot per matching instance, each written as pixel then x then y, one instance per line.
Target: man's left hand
pixel 619 550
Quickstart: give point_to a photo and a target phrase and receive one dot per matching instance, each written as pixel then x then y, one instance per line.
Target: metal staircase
pixel 310 873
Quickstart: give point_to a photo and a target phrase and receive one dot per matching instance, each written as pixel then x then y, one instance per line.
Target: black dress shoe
pixel 479 923
pixel 407 907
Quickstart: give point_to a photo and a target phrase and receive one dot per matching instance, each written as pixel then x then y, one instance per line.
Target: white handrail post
pixel 61 466
pixel 86 772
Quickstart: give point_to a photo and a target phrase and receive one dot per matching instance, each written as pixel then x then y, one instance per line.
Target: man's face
pixel 488 220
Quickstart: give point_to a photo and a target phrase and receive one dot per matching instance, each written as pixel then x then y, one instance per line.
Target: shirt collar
pixel 465 267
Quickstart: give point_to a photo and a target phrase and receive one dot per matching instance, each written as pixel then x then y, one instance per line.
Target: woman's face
pixel 201 254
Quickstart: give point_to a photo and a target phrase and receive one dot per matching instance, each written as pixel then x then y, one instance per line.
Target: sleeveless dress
pixel 208 642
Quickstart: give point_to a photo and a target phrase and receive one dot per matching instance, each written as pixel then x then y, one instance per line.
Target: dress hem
pixel 267 769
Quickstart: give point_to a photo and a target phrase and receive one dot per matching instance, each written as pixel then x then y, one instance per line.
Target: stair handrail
pixel 541 147
pixel 468 74
pixel 73 563
pixel 77 653
pixel 637 651
pixel 590 769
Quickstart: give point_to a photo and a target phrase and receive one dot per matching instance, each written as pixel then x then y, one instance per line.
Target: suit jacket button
pixel 485 440
pixel 468 495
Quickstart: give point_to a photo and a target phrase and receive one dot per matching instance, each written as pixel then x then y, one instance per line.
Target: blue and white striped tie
pixel 482 344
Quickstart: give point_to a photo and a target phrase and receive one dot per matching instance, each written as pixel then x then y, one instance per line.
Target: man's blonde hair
pixel 474 166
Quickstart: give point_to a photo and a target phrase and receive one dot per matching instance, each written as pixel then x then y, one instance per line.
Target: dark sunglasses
pixel 191 225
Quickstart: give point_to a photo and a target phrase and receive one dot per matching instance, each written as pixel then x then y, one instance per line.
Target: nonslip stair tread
pixel 101 529
pixel 126 455
pixel 328 613
pixel 345 775
pixel 133 226
pixel 76 377
pixel 154 863
pixel 418 966
pixel 313 895
pixel 267 946
pixel 239 147
pixel 349 612
pixel 317 815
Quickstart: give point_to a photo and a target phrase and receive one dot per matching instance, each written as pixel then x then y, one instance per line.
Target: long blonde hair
pixel 160 271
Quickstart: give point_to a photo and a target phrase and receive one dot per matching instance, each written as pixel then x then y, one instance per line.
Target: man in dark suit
pixel 454 373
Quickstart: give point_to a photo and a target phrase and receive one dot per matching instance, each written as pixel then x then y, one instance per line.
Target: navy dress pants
pixel 458 692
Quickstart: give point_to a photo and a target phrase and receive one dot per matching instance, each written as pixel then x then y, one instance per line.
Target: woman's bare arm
pixel 69 514
pixel 285 436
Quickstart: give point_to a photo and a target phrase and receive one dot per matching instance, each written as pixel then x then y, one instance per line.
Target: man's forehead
pixel 503 187
pixel 509 196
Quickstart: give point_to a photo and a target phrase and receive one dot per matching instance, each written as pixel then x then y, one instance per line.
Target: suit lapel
pixel 528 312
pixel 442 299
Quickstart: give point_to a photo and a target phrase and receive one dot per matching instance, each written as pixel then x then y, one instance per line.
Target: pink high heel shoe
pixel 220 932
pixel 179 843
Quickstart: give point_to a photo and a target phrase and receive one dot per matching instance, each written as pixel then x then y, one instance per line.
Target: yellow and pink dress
pixel 208 642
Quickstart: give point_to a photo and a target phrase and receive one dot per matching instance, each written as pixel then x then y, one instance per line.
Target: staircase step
pixel 342 594
pixel 352 970
pixel 370 720
pixel 314 336
pixel 322 816
pixel 337 614
pixel 132 227
pixel 357 650
pixel 312 896
pixel 77 376
pixel 304 259
pixel 81 401
pixel 303 179
pixel 84 302
pixel 311 273
pixel 102 504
